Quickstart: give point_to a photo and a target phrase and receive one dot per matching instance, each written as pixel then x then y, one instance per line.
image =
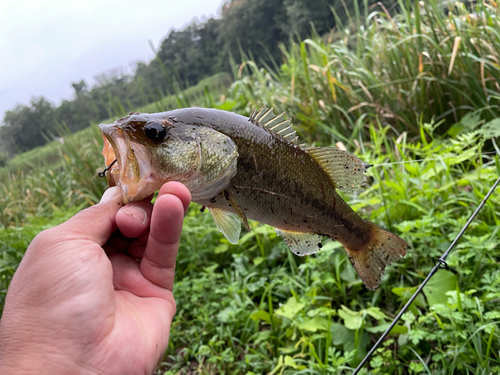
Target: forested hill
pixel 185 57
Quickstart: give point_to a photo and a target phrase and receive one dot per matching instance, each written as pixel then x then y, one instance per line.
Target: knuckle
pixel 45 238
pixel 43 242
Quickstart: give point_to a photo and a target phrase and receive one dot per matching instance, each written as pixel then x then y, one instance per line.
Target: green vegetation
pixel 395 90
pixel 397 70
pixel 185 58
pixel 49 155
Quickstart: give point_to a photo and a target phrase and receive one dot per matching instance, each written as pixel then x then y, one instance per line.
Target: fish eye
pixel 155 131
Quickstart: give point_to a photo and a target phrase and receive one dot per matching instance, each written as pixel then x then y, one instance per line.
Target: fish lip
pixel 117 145
pixel 111 152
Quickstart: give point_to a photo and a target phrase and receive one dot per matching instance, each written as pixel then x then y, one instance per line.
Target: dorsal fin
pixel 277 123
pixel 345 170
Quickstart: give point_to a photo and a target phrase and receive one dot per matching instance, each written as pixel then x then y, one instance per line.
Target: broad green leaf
pixel 331 245
pixel 491 129
pixel 222 248
pixel 290 361
pixel 376 313
pixel 227 105
pixel 314 324
pixel 352 320
pixel 261 315
pixel 397 329
pixel 406 293
pixel 288 349
pixel 435 290
pixel 340 334
pixel 290 308
pixel 348 274
pixel 258 260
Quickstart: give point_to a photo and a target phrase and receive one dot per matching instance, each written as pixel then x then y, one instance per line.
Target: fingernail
pixel 136 212
pixel 110 194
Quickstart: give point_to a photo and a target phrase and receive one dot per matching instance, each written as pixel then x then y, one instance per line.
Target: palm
pixel 113 307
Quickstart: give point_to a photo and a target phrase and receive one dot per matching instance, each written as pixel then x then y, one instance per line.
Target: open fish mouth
pixel 132 170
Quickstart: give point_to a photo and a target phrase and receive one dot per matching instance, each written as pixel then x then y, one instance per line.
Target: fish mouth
pixel 132 171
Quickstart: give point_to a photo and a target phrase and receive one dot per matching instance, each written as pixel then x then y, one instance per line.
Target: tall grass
pixel 397 89
pixel 439 63
pixel 65 182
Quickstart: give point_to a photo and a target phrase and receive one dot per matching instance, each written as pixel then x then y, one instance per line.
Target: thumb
pixel 97 222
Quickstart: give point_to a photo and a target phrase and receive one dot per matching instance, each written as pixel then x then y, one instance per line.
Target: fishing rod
pixel 441 263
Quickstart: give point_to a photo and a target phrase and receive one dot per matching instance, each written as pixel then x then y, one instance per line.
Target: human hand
pixel 94 294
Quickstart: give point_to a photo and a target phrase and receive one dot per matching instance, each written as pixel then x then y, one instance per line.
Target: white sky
pixel 46 45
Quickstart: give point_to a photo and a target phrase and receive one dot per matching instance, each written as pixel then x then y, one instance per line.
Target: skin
pixel 285 188
pixel 276 182
pixel 94 294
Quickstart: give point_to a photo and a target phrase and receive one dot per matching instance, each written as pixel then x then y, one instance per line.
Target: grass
pixel 397 70
pixel 267 310
pixel 256 308
pixel 49 154
pixel 63 174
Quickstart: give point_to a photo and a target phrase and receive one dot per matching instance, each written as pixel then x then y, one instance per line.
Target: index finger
pixel 158 263
pixel 179 190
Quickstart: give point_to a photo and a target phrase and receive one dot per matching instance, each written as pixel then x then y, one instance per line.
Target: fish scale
pixel 251 168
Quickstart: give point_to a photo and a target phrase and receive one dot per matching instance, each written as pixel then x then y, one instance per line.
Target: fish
pixel 242 168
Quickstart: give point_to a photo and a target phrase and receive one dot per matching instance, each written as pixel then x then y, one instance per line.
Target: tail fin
pixel 370 261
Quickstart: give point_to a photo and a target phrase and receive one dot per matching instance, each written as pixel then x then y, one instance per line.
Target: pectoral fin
pixel 301 243
pixel 236 206
pixel 228 223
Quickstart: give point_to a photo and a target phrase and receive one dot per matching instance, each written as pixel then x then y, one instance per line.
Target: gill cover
pixel 151 152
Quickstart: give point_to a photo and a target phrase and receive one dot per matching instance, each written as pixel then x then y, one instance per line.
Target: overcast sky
pixel 48 44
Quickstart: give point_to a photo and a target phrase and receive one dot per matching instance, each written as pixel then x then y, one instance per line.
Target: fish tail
pixel 370 260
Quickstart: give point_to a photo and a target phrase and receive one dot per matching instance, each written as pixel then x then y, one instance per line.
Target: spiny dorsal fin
pixel 345 170
pixel 277 123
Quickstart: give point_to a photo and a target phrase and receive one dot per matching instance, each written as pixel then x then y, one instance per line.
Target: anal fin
pixel 228 223
pixel 301 243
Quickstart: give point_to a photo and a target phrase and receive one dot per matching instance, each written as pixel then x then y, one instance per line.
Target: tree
pixel 80 87
pixel 254 26
pixel 201 49
pixel 25 126
pixel 302 14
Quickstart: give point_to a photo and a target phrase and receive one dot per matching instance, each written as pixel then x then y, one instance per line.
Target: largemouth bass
pixel 251 168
